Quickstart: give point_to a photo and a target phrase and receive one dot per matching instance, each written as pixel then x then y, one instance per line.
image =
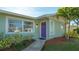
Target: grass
pixel 65 46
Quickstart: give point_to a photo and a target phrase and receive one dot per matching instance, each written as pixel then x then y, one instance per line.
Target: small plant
pixel 77 30
pixel 5 43
pixel 14 39
pixel 29 38
pixel 72 34
pixel 1 35
pixel 9 40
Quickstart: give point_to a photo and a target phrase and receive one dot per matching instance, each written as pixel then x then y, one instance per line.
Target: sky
pixel 31 11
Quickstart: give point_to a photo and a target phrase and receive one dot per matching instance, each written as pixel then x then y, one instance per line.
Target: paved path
pixel 36 46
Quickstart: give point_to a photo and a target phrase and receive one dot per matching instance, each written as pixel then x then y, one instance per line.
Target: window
pixel 14 25
pixel 28 26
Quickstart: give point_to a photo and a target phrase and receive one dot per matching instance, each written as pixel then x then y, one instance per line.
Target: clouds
pixel 31 11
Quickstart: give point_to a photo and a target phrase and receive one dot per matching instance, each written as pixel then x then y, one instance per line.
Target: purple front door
pixel 43 30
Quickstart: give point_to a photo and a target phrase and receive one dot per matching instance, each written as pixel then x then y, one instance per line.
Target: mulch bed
pixel 55 40
pixel 18 46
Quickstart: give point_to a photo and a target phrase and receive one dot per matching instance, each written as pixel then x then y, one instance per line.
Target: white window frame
pixel 33 30
pixel 6 25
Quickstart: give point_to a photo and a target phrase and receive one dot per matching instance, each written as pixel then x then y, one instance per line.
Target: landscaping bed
pixel 61 44
pixel 19 46
pixel 55 41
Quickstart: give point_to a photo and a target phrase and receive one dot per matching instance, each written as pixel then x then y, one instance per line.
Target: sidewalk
pixel 36 46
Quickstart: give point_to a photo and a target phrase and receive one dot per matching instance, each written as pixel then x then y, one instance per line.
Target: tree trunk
pixel 68 30
pixel 77 25
pixel 65 29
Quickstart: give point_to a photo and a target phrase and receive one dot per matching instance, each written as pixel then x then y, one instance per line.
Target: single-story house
pixel 43 27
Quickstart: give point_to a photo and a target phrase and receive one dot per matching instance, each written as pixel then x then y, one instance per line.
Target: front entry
pixel 43 30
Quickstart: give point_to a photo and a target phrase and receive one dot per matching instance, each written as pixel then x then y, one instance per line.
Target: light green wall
pixel 36 35
pixel 2 23
pixel 56 30
pixel 47 27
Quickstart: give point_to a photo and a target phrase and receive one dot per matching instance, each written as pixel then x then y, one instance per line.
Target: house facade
pixel 43 27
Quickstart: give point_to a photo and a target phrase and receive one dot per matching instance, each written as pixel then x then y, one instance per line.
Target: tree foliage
pixel 69 13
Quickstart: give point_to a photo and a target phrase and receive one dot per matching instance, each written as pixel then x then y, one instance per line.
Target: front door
pixel 43 30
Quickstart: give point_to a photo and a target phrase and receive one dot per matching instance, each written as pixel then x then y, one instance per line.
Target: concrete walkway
pixel 36 46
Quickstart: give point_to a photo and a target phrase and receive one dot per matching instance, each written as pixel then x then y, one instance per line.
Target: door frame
pixel 40 28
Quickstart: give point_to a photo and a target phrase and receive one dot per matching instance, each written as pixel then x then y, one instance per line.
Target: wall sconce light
pixel 36 25
pixel 61 27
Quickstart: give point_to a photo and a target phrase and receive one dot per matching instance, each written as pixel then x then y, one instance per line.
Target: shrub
pixel 1 35
pixel 72 34
pixel 77 30
pixel 29 38
pixel 16 38
pixel 13 39
pixel 5 43
pixel 9 40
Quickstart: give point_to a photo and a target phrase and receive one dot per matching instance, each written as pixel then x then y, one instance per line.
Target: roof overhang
pixel 15 14
pixel 28 17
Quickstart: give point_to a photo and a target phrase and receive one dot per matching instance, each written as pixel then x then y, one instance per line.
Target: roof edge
pixel 16 14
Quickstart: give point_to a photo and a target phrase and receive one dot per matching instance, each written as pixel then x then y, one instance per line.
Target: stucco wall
pixel 53 27
pixel 56 28
pixel 2 23
pixel 34 34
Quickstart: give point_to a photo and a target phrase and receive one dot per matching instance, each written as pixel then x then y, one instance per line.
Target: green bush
pixel 1 35
pixel 13 39
pixel 29 38
pixel 72 34
pixel 5 43
pixel 17 38
pixel 9 40
pixel 77 30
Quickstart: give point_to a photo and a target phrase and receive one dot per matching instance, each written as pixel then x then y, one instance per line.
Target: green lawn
pixel 65 46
